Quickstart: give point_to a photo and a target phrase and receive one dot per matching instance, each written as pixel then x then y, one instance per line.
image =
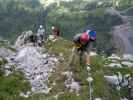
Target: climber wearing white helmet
pixel 40 35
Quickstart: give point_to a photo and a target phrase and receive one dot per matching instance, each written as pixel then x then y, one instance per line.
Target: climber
pixel 40 35
pixel 55 32
pixel 82 43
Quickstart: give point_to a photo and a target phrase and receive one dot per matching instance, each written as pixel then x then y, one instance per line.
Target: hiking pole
pixel 71 57
pixel 90 80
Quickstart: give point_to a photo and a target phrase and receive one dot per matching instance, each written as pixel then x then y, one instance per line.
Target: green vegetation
pixel 15 83
pixel 17 16
pixel 72 18
pixel 11 86
pixel 65 47
pixel 101 87
pixel 76 17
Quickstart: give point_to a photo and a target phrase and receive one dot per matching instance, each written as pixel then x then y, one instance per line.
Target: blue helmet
pixel 92 34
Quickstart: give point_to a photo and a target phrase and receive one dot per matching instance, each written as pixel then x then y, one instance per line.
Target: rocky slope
pixel 35 65
pixel 123 33
pixel 54 72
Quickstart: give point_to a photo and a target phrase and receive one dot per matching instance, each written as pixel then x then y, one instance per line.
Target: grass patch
pixel 101 87
pixel 11 86
pixel 59 46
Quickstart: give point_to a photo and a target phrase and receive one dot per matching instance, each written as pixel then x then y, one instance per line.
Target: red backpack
pixel 85 37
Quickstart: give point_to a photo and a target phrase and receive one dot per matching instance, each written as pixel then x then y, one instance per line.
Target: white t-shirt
pixel 40 31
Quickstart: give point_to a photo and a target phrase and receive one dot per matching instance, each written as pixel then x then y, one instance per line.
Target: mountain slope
pixel 68 79
pixel 101 88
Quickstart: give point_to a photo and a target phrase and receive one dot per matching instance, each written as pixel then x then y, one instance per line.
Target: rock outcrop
pixel 24 39
pixel 120 62
pixel 40 69
pixel 29 59
pixel 121 81
pixel 36 67
pixel 71 84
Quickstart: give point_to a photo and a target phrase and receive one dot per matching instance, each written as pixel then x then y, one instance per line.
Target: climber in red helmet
pixel 82 43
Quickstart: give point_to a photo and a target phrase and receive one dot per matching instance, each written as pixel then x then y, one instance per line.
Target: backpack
pixel 84 37
pixel 76 38
pixel 92 34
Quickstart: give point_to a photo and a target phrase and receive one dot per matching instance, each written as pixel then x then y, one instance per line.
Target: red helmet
pixel 84 37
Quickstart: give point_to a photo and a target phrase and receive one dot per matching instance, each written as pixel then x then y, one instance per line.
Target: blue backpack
pixel 92 34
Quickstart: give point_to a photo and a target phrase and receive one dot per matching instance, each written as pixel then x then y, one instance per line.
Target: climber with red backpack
pixel 82 43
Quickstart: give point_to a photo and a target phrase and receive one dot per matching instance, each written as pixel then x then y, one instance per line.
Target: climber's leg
pixel 87 59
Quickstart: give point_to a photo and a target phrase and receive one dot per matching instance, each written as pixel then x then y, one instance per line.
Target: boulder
pixel 128 57
pixel 25 95
pixel 128 64
pixel 113 56
pixel 112 79
pixel 115 65
pixel 70 83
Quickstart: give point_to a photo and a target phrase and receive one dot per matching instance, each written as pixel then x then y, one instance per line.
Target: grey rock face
pixel 112 79
pixel 117 62
pixel 4 52
pixel 113 56
pixel 128 64
pixel 36 67
pixel 116 65
pixel 23 39
pixel 71 84
pixel 128 57
pixel 25 95
pixel 8 70
pixel 120 81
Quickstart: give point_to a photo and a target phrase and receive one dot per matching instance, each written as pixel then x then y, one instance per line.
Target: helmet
pixel 88 31
pixel 40 26
pixel 84 37
pixel 53 27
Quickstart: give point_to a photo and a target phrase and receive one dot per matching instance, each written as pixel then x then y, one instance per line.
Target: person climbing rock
pixel 83 42
pixel 40 35
pixel 55 32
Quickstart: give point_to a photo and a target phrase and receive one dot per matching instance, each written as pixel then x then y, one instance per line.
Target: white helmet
pixel 53 27
pixel 40 26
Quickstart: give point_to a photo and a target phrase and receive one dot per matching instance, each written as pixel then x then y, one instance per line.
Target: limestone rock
pixel 71 84
pixel 112 79
pixel 128 57
pixel 25 95
pixel 23 39
pixel 113 56
pixel 128 64
pixel 36 67
pixel 4 52
pixel 115 65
